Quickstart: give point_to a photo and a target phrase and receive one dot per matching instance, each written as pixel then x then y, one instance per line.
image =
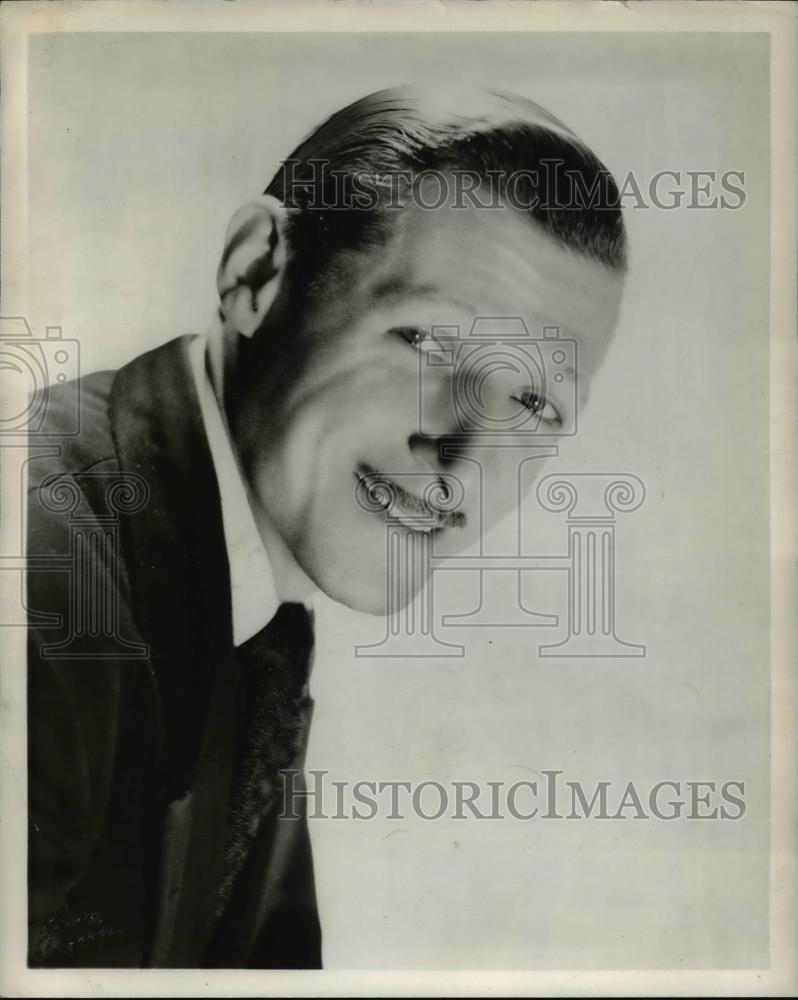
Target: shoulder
pixel 70 429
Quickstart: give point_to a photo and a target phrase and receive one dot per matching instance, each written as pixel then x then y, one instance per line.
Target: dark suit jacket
pixel 132 686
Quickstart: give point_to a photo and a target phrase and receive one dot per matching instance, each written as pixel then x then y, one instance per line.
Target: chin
pixel 364 592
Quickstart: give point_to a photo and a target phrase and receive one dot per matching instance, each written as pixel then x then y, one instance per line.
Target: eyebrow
pixel 396 288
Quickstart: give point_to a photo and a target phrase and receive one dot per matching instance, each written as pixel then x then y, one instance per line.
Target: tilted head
pixel 394 295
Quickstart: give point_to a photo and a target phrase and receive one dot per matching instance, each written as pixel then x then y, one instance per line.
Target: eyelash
pixel 536 403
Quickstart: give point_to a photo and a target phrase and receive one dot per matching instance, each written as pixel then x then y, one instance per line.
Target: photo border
pixel 780 20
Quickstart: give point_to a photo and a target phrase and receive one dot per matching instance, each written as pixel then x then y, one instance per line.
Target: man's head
pixel 404 219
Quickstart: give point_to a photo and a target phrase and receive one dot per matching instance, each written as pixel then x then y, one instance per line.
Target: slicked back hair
pixel 501 138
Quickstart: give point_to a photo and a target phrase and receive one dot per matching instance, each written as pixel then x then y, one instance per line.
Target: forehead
pixel 470 262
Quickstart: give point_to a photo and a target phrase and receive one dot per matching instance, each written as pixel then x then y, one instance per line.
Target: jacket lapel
pixel 180 582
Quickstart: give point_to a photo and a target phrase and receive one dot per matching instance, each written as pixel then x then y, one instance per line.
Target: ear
pixel 253 263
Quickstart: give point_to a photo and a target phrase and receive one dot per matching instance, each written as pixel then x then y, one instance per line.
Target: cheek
pixel 349 376
pixel 311 447
pixel 341 410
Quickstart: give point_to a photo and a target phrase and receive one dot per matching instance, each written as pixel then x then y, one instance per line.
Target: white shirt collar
pixel 253 591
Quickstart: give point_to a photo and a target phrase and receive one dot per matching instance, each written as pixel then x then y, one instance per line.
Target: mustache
pixel 384 491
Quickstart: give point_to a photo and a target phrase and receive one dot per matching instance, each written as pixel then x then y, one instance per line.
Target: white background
pixel 140 149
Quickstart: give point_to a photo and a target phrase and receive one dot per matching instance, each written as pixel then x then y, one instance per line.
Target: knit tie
pixel 273 719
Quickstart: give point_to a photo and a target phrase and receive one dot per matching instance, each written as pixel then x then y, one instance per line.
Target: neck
pixel 291 582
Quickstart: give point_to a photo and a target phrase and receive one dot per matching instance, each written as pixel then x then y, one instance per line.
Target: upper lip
pixel 415 510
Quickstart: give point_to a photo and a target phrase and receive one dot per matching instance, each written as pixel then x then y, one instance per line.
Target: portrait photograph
pixel 398 464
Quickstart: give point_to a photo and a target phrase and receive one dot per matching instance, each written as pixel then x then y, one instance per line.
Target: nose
pixel 442 442
pixel 440 453
pixel 446 457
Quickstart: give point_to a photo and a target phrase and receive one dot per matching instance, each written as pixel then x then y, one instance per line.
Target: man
pixel 216 483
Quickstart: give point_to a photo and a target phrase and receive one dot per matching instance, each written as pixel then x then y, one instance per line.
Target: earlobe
pixel 252 264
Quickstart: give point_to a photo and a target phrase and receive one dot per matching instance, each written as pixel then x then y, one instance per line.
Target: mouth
pixel 381 494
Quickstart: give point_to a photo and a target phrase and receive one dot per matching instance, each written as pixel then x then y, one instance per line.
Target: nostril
pixel 450 449
pixel 440 451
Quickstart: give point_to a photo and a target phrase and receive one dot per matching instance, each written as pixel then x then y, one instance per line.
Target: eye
pixel 538 404
pixel 423 340
pixel 413 335
pixel 425 343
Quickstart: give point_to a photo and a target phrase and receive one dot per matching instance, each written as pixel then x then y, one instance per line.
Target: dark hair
pixel 404 132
